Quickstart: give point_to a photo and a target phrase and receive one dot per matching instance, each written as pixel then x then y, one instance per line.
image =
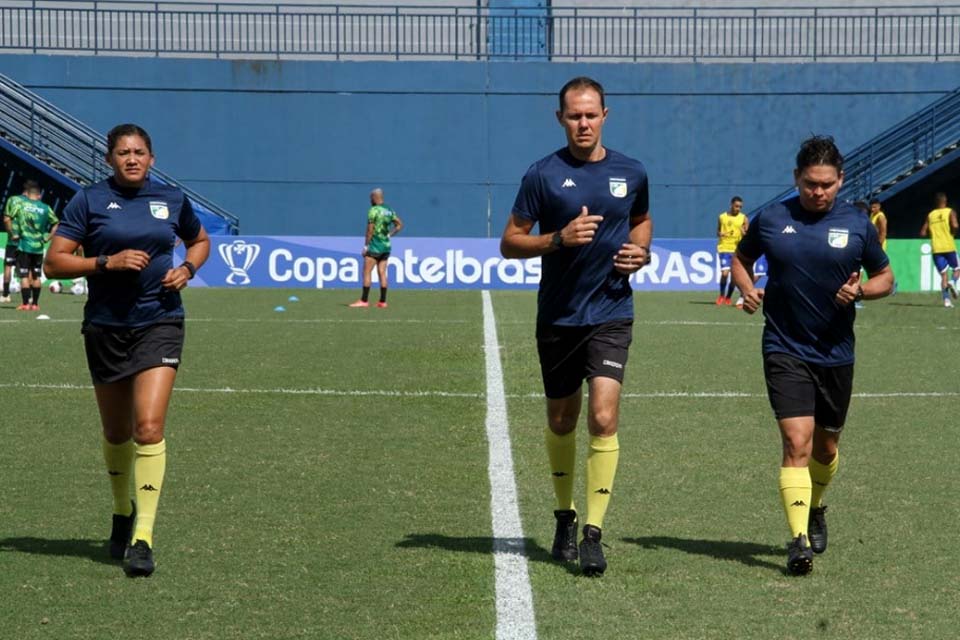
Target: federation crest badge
pixel 618 187
pixel 159 210
pixel 837 238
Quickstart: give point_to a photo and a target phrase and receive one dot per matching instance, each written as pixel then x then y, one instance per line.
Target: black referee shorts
pixel 568 355
pixel 797 388
pixel 115 353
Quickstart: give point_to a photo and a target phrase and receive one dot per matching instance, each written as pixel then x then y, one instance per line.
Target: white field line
pixel 434 393
pixel 515 618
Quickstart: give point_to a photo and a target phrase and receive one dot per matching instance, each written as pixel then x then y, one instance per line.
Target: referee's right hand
pixel 581 229
pixel 128 260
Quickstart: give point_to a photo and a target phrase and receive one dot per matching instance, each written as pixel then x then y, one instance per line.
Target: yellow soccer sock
pixel 562 452
pixel 821 475
pixel 601 468
pixel 795 487
pixel 148 470
pixel 119 460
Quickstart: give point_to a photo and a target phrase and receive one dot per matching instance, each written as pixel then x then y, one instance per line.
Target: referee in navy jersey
pixel 815 245
pixel 591 205
pixel 133 328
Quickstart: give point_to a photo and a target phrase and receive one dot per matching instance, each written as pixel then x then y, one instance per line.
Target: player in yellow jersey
pixel 879 219
pixel 941 226
pixel 731 225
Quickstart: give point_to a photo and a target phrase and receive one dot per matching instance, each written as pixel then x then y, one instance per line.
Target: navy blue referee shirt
pixel 578 285
pixel 106 219
pixel 810 256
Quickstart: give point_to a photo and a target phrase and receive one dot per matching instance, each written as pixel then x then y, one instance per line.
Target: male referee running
pixel 591 203
pixel 815 247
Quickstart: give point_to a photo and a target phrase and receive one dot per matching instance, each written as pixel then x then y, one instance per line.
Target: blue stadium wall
pixel 293 148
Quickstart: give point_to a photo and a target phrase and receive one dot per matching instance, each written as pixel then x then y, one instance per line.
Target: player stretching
pixel 815 246
pixel 591 204
pixel 382 223
pixel 941 225
pixel 731 225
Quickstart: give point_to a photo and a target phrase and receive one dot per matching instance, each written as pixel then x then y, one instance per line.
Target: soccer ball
pixel 15 286
pixel 55 286
pixel 78 288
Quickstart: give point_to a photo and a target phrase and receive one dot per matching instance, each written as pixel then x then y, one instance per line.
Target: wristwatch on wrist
pixel 557 240
pixel 186 264
pixel 102 263
pixel 859 296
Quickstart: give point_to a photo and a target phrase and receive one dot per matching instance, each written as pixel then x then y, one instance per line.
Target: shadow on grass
pixel 743 552
pixel 486 545
pixel 93 550
pixel 926 305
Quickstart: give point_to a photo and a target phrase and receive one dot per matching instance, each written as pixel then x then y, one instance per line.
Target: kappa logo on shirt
pixel 568 183
pixel 113 205
pixel 789 229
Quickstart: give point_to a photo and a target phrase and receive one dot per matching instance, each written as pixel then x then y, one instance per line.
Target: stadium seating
pixel 39 141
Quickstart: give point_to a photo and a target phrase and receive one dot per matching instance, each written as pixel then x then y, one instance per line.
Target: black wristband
pixel 189 266
pixel 859 296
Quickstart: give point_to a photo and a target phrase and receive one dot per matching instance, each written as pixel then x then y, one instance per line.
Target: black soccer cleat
pixel 799 556
pixel 138 560
pixel 817 529
pixel 565 538
pixel 592 562
pixel 120 533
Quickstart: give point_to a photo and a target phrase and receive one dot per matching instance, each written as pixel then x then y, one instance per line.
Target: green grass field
pixel 327 478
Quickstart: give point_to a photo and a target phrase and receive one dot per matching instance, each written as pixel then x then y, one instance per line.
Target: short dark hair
pixel 581 82
pixel 939 195
pixel 875 201
pixel 860 204
pixel 736 199
pixel 127 129
pixel 31 185
pixel 819 150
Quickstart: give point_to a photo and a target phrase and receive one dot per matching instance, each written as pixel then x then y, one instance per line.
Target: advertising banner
pixel 318 262
pixel 426 263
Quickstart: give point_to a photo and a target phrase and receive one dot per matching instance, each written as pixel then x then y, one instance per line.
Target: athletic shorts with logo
pixel 10 255
pixel 378 256
pixel 797 388
pixel 115 353
pixel 569 355
pixel 726 260
pixel 29 264
pixel 944 261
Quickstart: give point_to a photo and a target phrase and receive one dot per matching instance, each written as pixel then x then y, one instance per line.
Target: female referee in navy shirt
pixel 133 322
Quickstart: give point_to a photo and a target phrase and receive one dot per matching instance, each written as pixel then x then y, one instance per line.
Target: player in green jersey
pixel 10 211
pixel 382 223
pixel 34 223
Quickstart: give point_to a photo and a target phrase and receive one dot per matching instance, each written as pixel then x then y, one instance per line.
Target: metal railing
pixel 311 31
pixel 67 145
pixel 898 152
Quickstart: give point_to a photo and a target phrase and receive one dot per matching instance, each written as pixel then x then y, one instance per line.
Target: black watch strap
pixel 102 263
pixel 189 267
pixel 557 240
pixel 859 296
